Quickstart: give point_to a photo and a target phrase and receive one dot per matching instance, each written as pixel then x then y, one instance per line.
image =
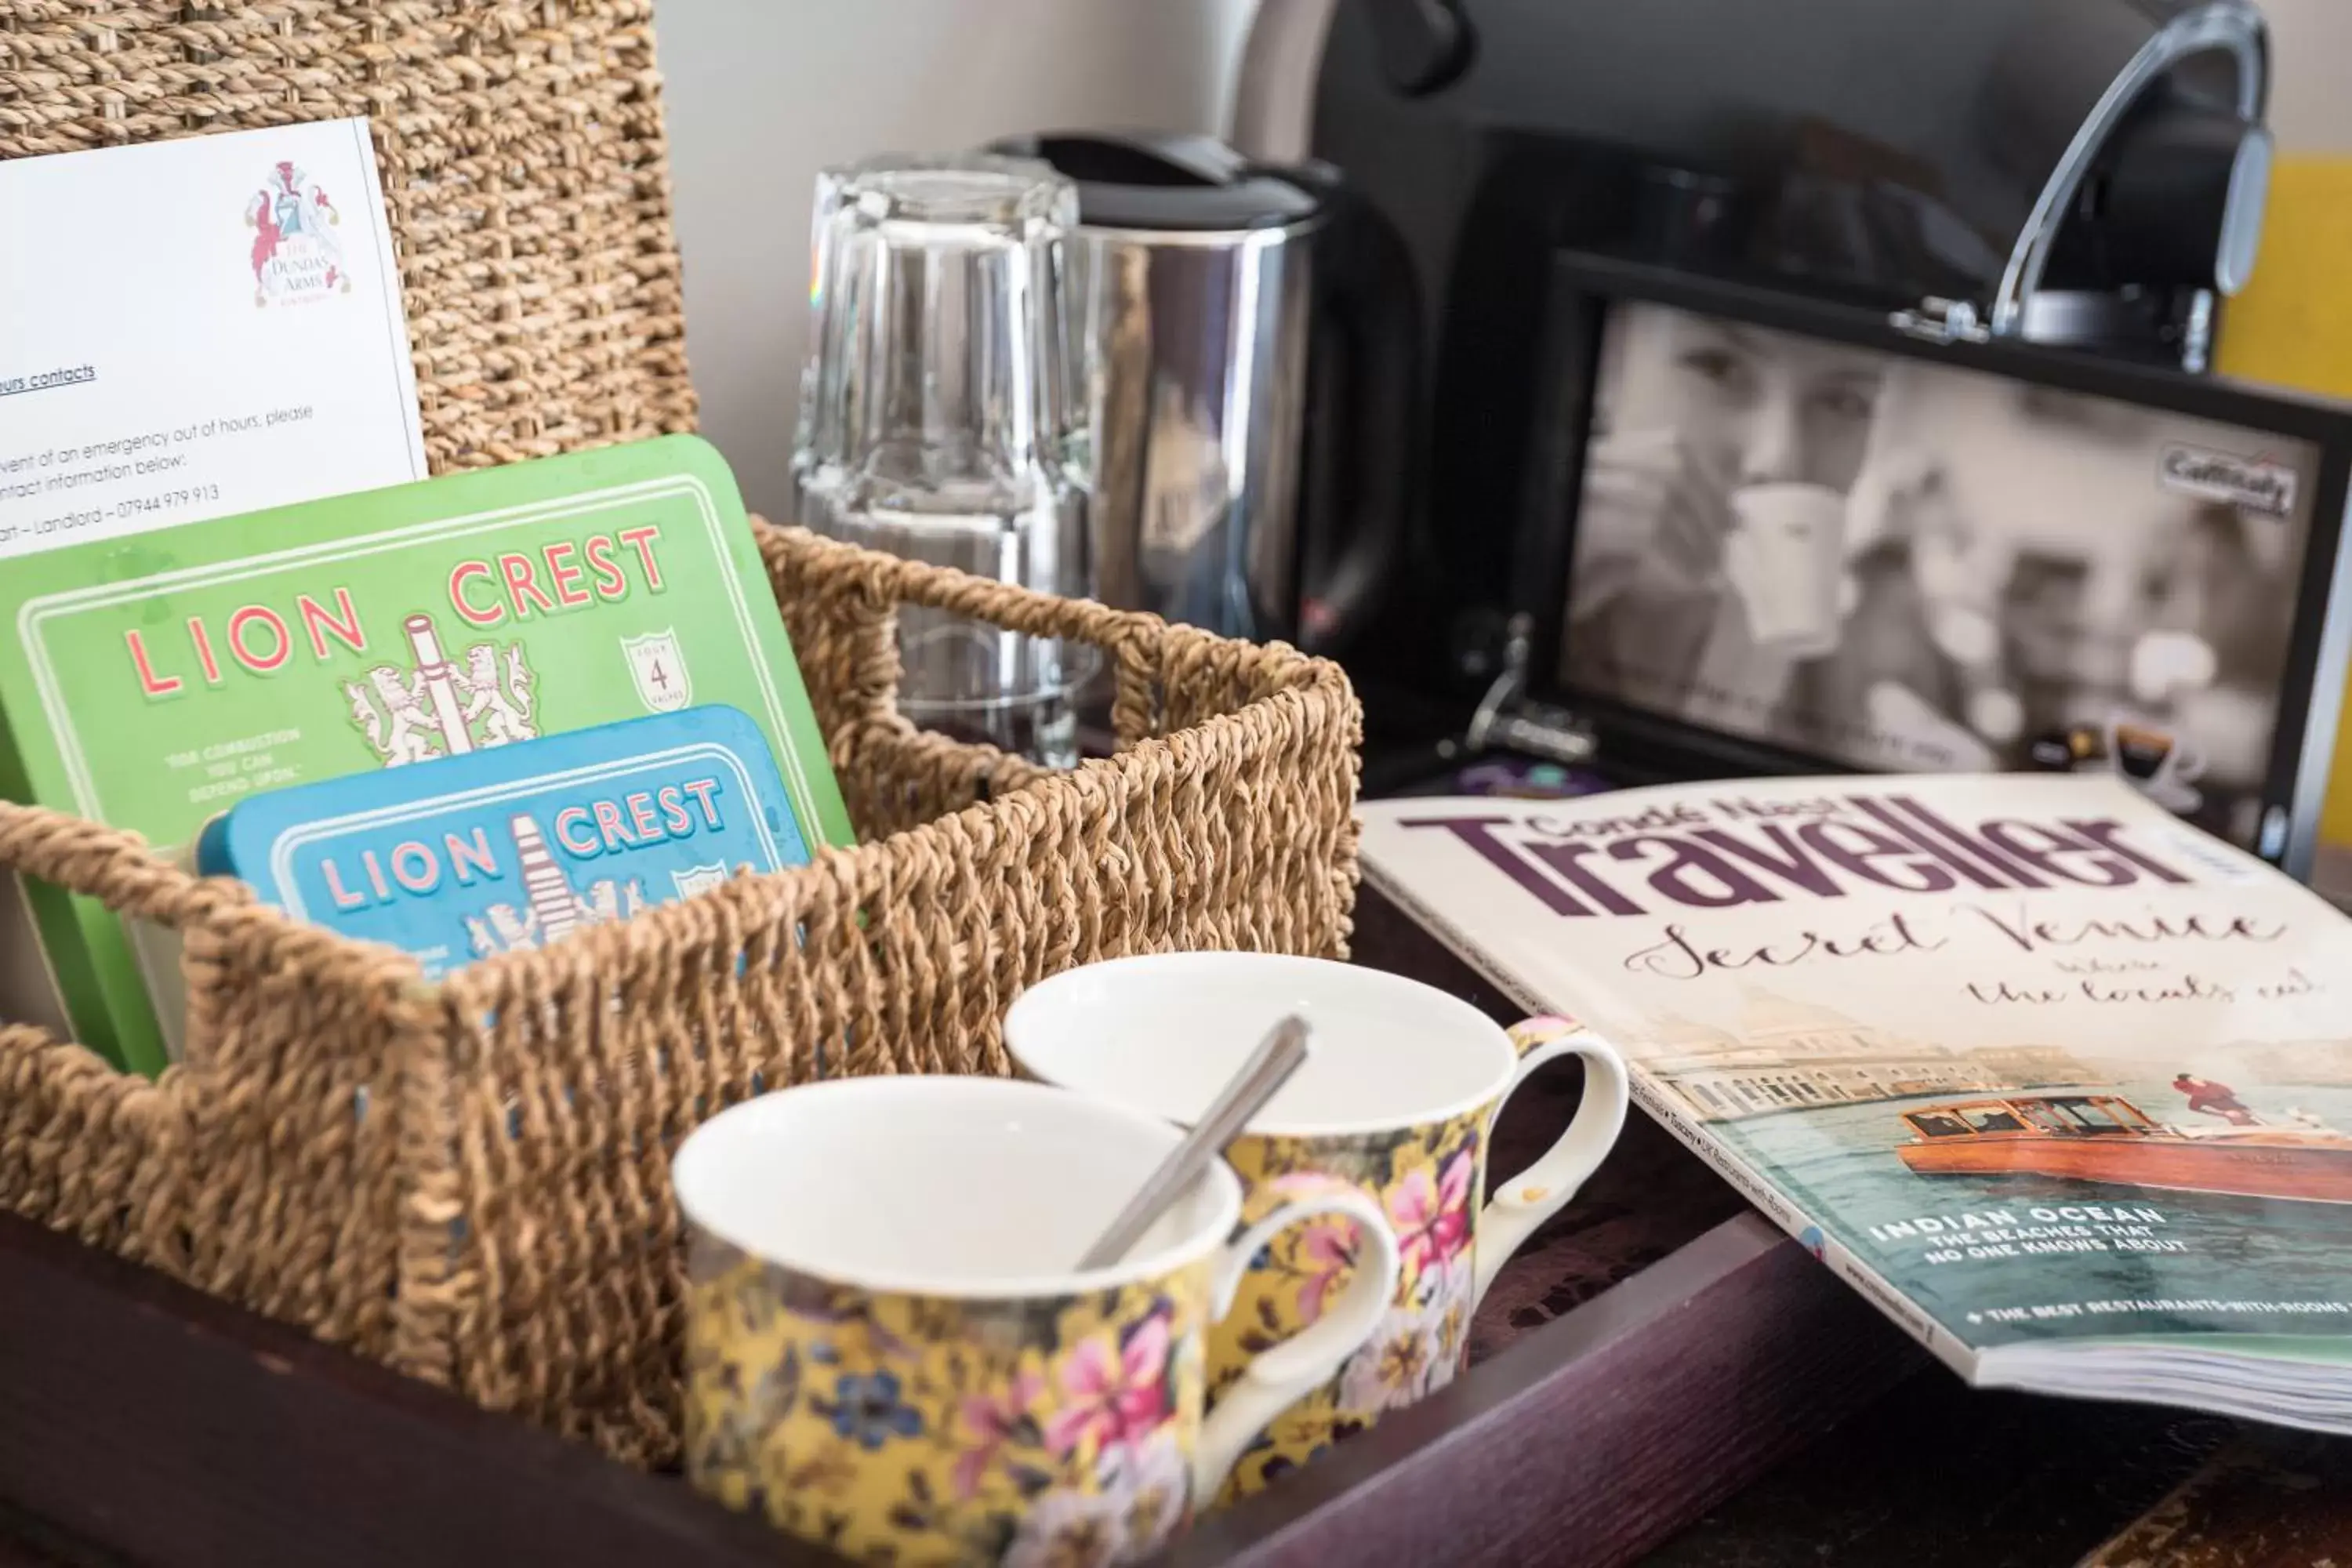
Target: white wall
pixel 2311 64
pixel 760 94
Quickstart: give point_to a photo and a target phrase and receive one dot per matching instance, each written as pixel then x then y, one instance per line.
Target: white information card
pixel 195 328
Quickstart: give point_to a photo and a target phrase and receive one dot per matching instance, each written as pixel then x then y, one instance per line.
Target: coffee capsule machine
pixel 2090 172
pixel 1823 384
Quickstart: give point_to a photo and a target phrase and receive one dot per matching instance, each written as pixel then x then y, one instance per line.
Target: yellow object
pixel 2293 327
pixel 1426 1177
pixel 1047 1428
pixel 891 1349
pixel 1395 1117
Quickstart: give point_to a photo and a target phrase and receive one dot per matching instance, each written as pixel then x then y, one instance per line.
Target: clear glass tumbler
pixel 935 422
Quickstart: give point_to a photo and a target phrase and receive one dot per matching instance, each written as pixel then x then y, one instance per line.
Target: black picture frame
pixel 1639 745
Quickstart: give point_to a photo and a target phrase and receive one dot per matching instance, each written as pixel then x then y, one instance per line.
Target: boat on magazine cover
pixel 2104 1137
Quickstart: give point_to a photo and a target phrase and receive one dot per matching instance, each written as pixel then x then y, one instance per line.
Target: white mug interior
pixel 1164 1033
pixel 949 1187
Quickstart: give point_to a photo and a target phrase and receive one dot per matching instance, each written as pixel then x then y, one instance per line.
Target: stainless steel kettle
pixel 1248 341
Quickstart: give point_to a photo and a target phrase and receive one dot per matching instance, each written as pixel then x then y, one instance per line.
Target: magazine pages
pixel 2062 1084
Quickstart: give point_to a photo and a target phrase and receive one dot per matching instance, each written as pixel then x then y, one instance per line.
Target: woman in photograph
pixel 1695 412
pixel 1997 564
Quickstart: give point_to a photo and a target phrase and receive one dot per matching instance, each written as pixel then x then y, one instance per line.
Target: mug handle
pixel 1543 1188
pixel 1276 1379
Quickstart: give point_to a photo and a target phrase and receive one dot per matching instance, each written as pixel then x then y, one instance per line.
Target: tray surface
pixel 1654 1348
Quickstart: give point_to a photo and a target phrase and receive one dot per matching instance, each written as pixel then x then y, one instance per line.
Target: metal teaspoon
pixel 1280 1054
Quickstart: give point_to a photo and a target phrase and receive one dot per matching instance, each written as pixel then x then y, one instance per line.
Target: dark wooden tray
pixel 1649 1353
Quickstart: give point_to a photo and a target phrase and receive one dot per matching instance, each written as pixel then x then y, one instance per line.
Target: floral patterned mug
pixel 891 1352
pixel 1394 1102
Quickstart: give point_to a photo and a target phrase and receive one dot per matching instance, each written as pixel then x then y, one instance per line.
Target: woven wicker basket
pixel 469 1180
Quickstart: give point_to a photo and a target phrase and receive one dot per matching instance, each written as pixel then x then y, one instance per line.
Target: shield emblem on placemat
pixel 695 879
pixel 660 670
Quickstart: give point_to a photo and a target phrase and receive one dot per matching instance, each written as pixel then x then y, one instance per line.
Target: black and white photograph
pixel 1893 565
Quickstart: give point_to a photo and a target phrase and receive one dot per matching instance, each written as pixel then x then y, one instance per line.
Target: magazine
pixel 2061 1083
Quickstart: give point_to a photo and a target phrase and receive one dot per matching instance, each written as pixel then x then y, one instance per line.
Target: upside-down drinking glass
pixel 934 422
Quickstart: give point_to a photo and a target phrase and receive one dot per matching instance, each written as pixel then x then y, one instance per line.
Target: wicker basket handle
pixel 1133 640
pixel 887 580
pixel 870 586
pixel 114 866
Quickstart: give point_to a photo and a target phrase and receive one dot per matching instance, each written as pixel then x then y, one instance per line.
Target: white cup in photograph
pixel 1785 558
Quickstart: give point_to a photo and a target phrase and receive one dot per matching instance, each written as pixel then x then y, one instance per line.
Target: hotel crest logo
pixel 297 257
pixel 441 707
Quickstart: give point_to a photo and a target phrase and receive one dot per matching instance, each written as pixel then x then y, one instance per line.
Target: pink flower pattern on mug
pixel 1432 1214
pixel 900 1429
pixel 1113 1393
pixel 1328 1251
pixel 1427 1179
pixel 1325 1247
pixel 991 1421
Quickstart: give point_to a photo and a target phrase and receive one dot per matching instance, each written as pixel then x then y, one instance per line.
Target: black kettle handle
pixel 1201 158
pixel 1354 519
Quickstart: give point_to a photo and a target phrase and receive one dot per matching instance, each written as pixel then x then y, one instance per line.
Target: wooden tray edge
pixel 1596 1437
pixel 145 1420
pixel 149 1421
